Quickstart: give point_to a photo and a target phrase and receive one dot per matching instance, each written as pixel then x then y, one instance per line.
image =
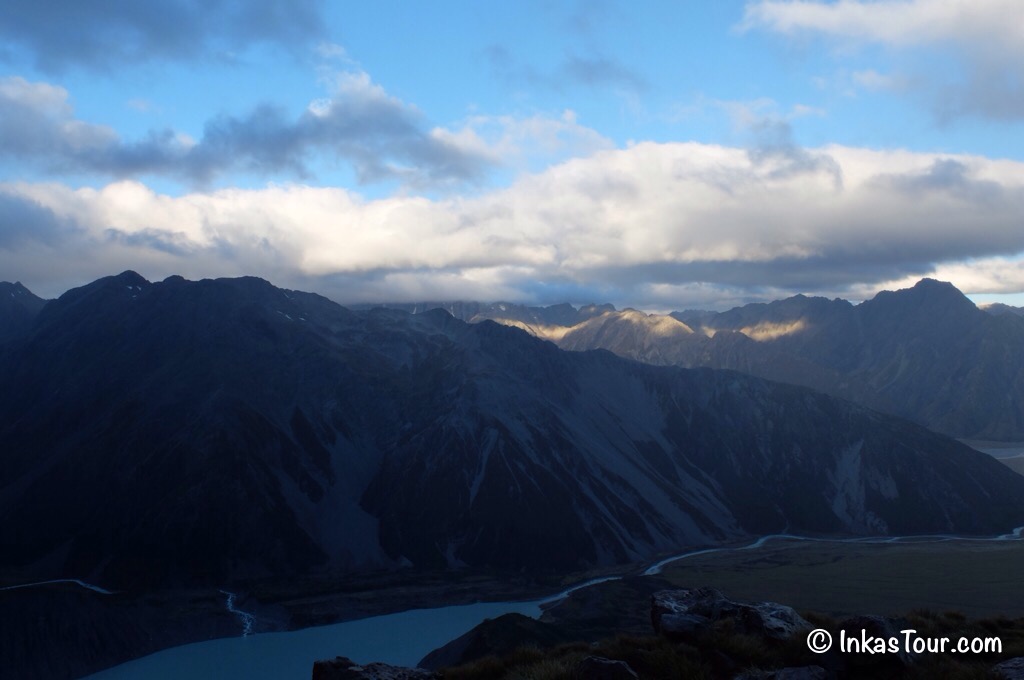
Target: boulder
pixel 795 673
pixel 600 668
pixel 495 637
pixel 341 668
pixel 686 614
pixel 876 627
pixel 1011 669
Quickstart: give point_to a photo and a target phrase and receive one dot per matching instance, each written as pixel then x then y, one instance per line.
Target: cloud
pixel 871 79
pixel 594 70
pixel 382 138
pixel 991 24
pixel 36 119
pixel 632 226
pixel 64 34
pixel 769 128
pixel 986 38
pixel 530 142
pixel 602 71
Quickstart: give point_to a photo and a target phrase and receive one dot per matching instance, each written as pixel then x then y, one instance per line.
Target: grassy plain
pixel 978 579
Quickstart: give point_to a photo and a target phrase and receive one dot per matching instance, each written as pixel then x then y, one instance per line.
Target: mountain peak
pixel 18 308
pixel 15 287
pixel 927 293
pixel 944 293
pixel 927 284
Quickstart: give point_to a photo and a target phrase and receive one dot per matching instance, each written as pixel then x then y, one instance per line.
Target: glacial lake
pixel 402 639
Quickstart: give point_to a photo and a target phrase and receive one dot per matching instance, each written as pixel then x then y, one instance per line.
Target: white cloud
pixel 985 38
pixel 871 79
pixel 525 142
pixel 37 119
pixel 635 225
pixel 995 23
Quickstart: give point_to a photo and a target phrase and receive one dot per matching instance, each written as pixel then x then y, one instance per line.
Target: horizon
pixel 654 157
pixel 575 304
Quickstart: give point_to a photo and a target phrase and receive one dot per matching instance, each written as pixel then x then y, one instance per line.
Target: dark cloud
pixel 60 34
pixel 382 137
pixel 827 272
pixel 992 91
pixel 949 177
pixel 176 244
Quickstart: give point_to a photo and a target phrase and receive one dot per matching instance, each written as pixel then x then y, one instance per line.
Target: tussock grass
pixel 725 653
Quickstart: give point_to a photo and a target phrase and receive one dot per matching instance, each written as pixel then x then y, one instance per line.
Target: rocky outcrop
pixel 796 673
pixel 600 668
pixel 688 614
pixel 1011 669
pixel 342 668
pixel 877 628
pixel 495 637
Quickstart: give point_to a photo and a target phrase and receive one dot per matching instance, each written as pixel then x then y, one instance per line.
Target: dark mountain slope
pixel 998 308
pixel 507 313
pixel 926 353
pixel 196 432
pixel 18 308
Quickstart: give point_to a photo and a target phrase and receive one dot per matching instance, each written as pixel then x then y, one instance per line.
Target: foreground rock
pixel 600 668
pixel 688 614
pixel 1011 669
pixel 797 673
pixel 496 637
pixel 876 628
pixel 341 668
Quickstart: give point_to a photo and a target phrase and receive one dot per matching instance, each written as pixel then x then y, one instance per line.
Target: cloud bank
pixel 652 225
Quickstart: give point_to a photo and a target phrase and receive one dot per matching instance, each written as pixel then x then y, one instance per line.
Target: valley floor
pixel 977 578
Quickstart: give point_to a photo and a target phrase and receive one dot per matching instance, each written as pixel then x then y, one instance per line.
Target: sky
pixel 661 155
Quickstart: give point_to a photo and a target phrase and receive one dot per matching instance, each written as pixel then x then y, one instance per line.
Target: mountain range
pixel 196 432
pixel 926 353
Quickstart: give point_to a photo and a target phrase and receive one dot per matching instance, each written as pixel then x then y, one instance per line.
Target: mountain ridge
pixel 925 353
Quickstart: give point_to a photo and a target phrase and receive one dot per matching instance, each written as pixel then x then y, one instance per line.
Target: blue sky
pixel 671 155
